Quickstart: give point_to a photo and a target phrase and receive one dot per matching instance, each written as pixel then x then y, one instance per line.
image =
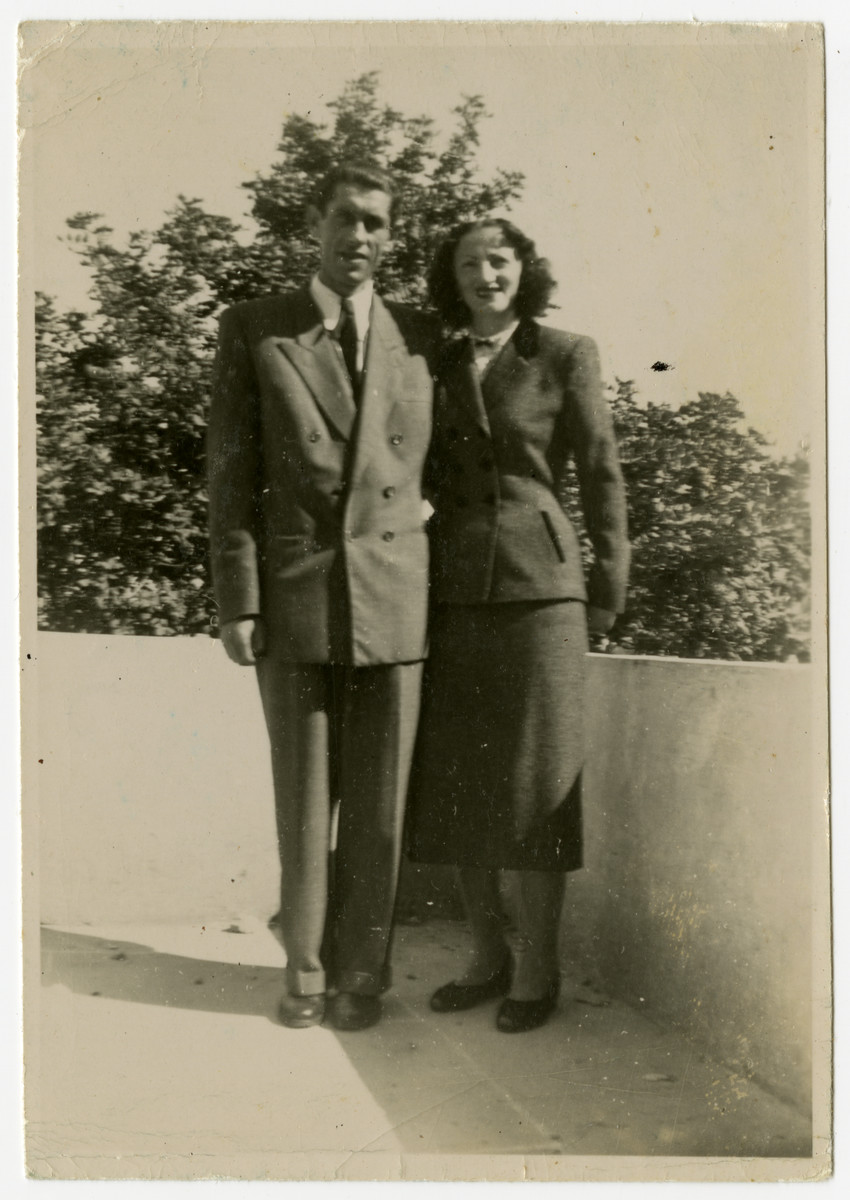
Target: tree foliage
pixel 719 531
pixel 719 526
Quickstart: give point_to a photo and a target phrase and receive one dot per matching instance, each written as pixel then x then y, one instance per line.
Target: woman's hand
pixel 599 620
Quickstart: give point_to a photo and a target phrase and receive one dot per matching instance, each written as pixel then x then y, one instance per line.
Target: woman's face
pixel 487 272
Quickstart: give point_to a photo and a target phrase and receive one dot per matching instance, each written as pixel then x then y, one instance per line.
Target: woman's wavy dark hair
pixel 536 284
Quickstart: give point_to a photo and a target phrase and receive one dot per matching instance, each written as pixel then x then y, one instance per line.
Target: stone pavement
pixel 153 1052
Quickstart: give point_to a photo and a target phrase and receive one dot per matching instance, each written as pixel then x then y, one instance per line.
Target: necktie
pixel 346 335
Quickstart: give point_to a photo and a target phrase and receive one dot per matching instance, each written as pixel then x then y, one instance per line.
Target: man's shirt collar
pixel 329 304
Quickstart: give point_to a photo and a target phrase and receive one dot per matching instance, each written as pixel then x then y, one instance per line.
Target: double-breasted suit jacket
pixel 316 522
pixel 501 447
pixel 315 502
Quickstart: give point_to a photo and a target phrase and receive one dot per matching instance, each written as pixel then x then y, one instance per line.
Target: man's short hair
pixel 368 176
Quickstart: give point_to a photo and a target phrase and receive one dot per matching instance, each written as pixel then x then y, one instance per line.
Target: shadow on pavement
pixel 599 1079
pixel 120 970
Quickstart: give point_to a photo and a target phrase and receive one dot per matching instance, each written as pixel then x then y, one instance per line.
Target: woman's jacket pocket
pixel 554 536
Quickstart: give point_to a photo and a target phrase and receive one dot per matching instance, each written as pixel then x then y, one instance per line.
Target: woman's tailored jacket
pixel 500 449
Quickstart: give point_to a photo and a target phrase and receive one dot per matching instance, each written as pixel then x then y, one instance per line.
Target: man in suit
pixel 319 426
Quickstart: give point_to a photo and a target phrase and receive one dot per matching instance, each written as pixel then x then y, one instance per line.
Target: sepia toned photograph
pixel 423 601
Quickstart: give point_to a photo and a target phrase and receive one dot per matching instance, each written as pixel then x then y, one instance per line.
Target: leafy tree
pixel 123 393
pixel 120 452
pixel 719 530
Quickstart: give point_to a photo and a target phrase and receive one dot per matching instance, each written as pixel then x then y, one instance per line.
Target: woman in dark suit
pixel 496 787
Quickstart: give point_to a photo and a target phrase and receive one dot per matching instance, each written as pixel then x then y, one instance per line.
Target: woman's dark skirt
pixel 496 778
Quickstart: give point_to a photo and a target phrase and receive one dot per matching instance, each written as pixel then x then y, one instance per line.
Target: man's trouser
pixel 339 734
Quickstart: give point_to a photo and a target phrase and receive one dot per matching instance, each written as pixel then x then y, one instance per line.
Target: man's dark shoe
pixel 300 1012
pixel 457 997
pixel 351 1010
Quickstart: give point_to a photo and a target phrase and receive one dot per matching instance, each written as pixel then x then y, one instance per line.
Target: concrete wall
pixel 155 786
pixel 148 798
pixel 706 829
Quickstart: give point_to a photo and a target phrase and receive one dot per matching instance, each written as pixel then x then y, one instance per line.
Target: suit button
pixel 389 535
pixel 389 492
pixel 314 437
pixel 396 439
pixel 349 536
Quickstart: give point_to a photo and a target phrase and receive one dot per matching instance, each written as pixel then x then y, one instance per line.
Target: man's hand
pixel 244 640
pixel 599 620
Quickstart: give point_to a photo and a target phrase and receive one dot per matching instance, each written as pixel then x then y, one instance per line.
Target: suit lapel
pixel 318 360
pixel 509 367
pixel 461 378
pixel 384 351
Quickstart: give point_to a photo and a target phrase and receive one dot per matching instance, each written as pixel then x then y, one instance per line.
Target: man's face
pixel 353 232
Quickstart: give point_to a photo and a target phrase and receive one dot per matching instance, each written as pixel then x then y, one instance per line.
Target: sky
pixel 672 177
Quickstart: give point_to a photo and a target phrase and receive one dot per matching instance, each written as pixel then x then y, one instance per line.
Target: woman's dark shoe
pixel 457 997
pixel 518 1016
pixel 300 1012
